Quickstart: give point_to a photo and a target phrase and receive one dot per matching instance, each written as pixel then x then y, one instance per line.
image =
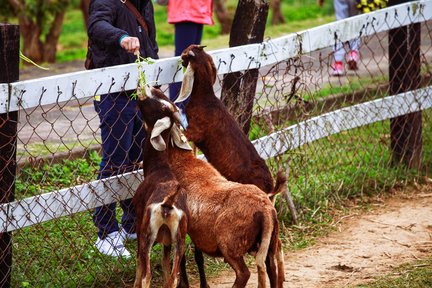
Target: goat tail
pixel 169 200
pixel 280 186
pixel 267 229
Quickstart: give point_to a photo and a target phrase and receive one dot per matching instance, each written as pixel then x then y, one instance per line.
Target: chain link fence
pixel 337 137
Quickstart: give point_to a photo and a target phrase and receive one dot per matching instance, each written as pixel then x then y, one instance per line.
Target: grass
pixel 351 165
pixel 416 275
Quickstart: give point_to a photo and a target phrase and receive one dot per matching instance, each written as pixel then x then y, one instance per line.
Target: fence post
pixel 404 75
pixel 9 63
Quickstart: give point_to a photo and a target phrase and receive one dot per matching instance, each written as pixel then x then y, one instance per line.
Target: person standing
pixel 344 9
pixel 115 37
pixel 188 18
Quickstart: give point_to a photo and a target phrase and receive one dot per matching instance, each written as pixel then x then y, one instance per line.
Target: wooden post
pixel 238 89
pixel 9 63
pixel 404 74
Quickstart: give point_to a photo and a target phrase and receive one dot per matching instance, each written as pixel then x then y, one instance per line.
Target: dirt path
pixel 397 231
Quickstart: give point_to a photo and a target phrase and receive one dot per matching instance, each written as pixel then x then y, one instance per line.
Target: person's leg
pixel 354 45
pixel 186 33
pixel 116 133
pixel 135 157
pixel 342 11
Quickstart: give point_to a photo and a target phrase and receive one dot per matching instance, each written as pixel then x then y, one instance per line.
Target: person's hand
pixel 130 44
pixel 320 3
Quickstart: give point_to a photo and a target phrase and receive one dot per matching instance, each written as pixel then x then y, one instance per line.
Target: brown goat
pixel 159 200
pixel 225 219
pixel 235 157
pixel 229 219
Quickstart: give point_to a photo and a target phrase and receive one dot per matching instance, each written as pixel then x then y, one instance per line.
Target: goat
pixel 159 200
pixel 225 218
pixel 235 157
pixel 229 219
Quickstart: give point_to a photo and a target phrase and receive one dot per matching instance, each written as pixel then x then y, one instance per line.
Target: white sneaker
pixel 112 245
pixel 128 236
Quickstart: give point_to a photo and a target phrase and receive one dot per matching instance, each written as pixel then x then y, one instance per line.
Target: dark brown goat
pixel 226 219
pixel 209 120
pixel 159 200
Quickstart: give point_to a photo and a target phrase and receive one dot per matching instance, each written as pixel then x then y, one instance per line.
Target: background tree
pixel 40 26
pixel 277 16
pixel 223 16
pixel 84 6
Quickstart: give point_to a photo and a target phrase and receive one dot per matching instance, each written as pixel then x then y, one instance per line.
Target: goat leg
pixel 179 252
pixel 184 282
pixel 199 259
pixel 146 245
pixel 241 270
pixel 166 263
pixel 280 264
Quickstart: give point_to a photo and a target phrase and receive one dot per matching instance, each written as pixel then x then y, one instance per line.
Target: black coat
pixel 108 21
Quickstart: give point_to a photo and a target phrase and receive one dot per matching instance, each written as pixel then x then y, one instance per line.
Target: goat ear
pixel 214 71
pixel 156 138
pixel 187 84
pixel 191 53
pixel 179 139
pixel 144 92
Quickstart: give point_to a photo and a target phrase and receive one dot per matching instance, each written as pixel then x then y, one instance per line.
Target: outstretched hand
pixel 130 44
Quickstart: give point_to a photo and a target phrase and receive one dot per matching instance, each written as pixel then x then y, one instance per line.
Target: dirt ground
pixel 364 246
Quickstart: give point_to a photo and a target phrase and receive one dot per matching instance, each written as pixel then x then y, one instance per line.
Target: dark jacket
pixel 108 21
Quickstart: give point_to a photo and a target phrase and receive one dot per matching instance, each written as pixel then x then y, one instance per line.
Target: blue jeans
pixel 122 136
pixel 186 33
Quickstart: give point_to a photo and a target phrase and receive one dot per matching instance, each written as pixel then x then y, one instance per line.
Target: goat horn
pixel 178 118
pixel 141 93
pixel 202 46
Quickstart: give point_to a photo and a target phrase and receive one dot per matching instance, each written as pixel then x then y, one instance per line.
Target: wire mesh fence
pixel 337 137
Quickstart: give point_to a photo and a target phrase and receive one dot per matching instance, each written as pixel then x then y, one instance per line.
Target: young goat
pixel 235 157
pixel 225 219
pixel 159 200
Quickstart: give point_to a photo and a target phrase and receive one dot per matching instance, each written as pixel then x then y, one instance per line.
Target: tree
pixel 84 6
pixel 40 25
pixel 223 16
pixel 238 89
pixel 277 17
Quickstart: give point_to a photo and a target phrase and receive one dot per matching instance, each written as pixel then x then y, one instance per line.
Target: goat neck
pixel 189 169
pixel 203 68
pixel 153 159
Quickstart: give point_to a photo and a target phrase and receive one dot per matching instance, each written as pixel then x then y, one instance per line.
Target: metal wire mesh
pixel 58 146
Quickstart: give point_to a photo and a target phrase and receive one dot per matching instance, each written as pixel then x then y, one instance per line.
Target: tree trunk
pixel 222 15
pixel 84 6
pixel 53 37
pixel 32 45
pixel 239 89
pixel 277 17
pixel 32 25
